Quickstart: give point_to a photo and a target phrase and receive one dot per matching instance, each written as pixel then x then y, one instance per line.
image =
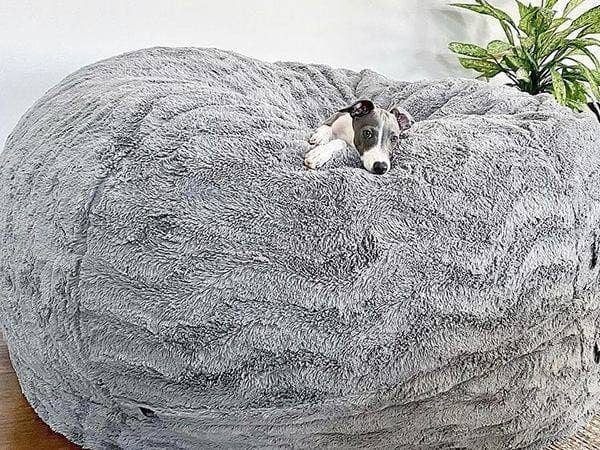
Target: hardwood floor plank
pixel 5 366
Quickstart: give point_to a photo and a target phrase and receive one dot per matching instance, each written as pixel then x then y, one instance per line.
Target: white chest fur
pixel 342 129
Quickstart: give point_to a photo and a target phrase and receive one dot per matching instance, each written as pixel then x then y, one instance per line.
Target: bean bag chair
pixel 171 276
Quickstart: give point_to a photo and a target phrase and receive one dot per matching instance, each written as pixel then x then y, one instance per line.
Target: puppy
pixel 372 131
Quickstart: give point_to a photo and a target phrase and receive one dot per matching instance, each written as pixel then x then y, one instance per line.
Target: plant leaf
pixel 550 3
pixel 558 22
pixel 573 73
pixel 590 17
pixel 550 41
pixel 571 6
pixel 580 72
pixel 486 9
pixel 468 49
pixel 496 12
pixel 558 87
pixel 486 68
pixel 527 17
pixel 514 62
pixel 475 8
pixel 483 7
pixel 536 20
pixel 591 79
pixel 522 74
pixel 590 29
pixel 499 49
pixel 583 42
pixel 525 49
pixel 545 19
pixel 527 42
pixel 582 50
pixel 508 32
pixel 524 10
pixel 576 95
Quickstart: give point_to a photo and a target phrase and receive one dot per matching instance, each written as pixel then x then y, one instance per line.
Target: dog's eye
pixel 367 134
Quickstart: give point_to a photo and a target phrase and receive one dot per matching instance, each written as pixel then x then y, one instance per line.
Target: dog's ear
pixel 359 109
pixel 405 120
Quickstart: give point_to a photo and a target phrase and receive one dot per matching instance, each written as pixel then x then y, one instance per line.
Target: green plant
pixel 544 51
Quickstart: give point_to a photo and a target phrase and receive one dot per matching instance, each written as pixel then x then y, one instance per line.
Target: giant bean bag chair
pixel 171 276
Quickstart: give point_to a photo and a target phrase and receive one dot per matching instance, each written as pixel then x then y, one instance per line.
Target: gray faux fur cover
pixel 172 277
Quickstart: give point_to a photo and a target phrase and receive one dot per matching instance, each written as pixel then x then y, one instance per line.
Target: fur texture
pixel 172 276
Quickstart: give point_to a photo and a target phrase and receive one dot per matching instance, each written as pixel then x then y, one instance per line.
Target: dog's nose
pixel 380 168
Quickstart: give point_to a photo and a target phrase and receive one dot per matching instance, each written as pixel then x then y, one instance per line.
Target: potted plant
pixel 545 50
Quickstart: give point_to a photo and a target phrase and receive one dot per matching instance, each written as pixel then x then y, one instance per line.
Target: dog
pixel 372 131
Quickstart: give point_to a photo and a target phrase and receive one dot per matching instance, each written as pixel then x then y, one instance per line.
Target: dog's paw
pixel 317 157
pixel 321 136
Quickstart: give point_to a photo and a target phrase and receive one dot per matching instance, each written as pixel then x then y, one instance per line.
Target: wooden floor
pixel 21 429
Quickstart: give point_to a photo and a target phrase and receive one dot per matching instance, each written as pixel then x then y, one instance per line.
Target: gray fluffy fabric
pixel 171 276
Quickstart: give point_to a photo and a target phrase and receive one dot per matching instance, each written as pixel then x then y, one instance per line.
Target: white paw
pixel 316 157
pixel 321 136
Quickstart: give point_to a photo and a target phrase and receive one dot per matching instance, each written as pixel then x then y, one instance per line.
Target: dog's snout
pixel 380 167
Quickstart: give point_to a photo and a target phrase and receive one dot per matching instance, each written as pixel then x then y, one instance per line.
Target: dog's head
pixel 376 132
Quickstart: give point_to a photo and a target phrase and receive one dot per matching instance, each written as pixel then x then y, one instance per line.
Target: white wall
pixel 42 41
